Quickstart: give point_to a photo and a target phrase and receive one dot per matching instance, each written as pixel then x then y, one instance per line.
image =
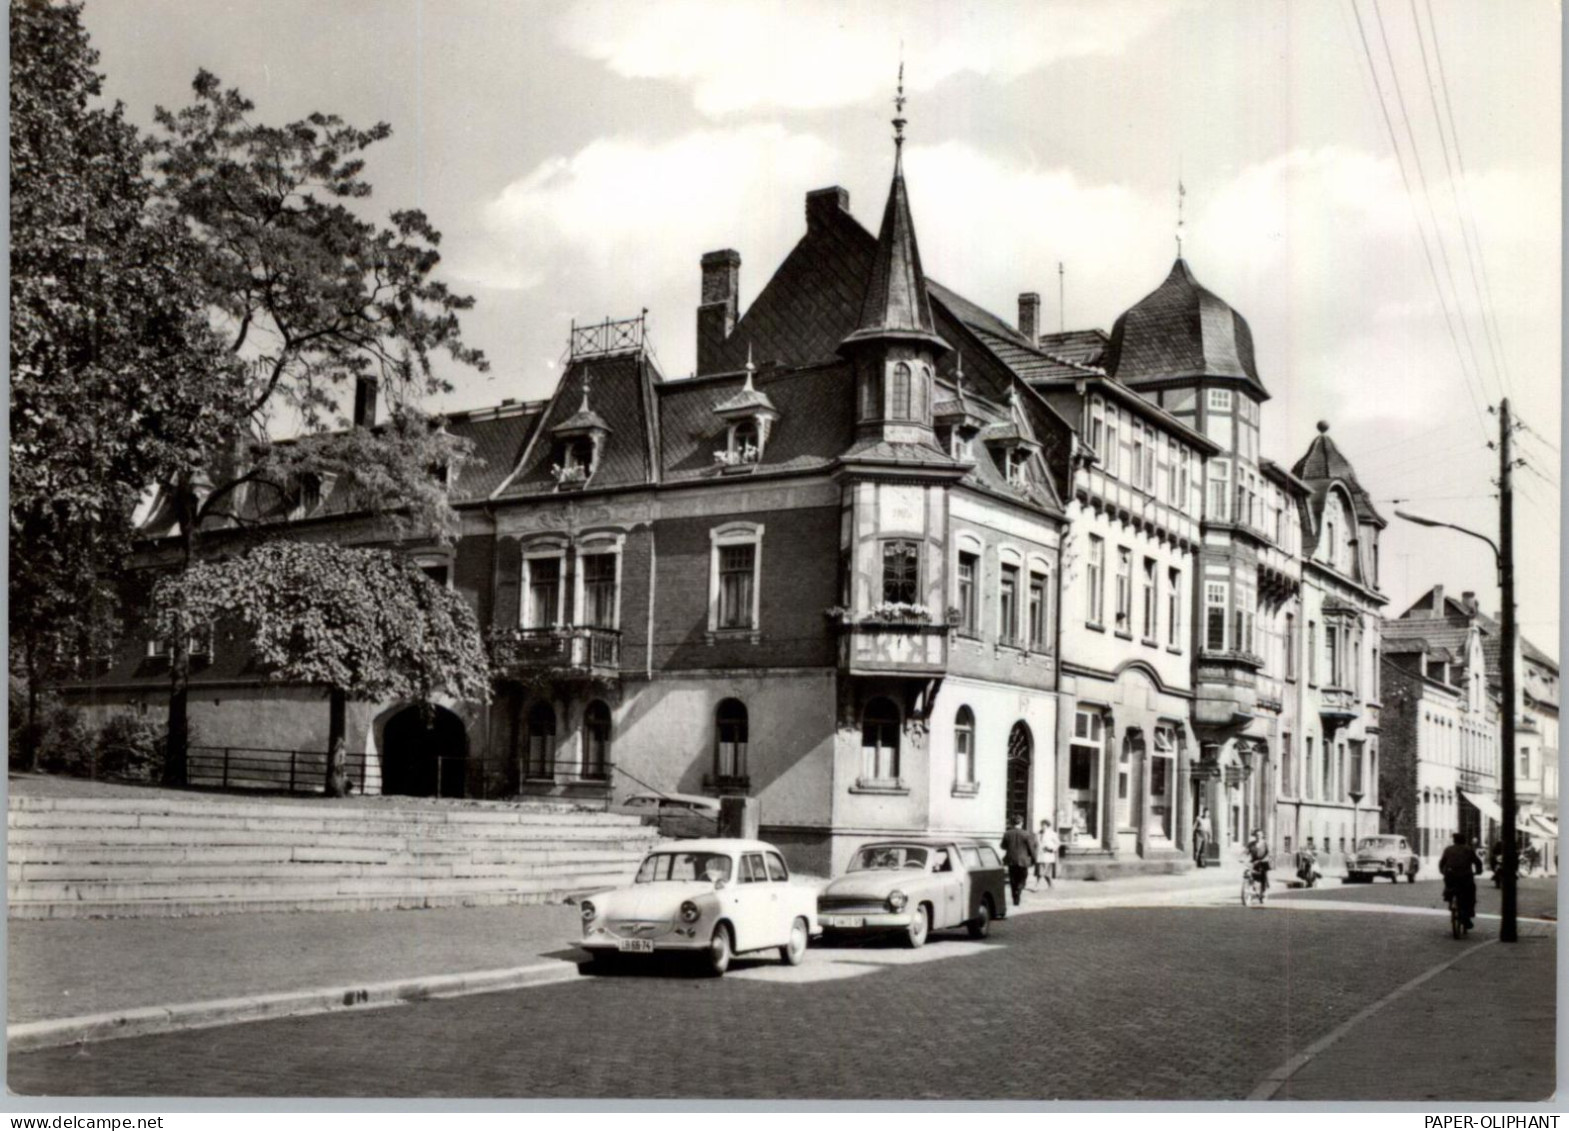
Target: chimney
pixel 718 306
pixel 1469 599
pixel 1030 316
pixel 823 204
pixel 1436 612
pixel 365 393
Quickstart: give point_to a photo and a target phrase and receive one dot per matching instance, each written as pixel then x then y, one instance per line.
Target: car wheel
pixel 1394 877
pixel 915 933
pixel 719 951
pixel 606 962
pixel 1411 876
pixel 795 950
pixel 981 926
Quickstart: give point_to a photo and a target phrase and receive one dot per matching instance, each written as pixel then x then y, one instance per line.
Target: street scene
pixel 580 550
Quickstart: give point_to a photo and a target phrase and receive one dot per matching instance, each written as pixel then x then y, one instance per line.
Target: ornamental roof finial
pixel 584 408
pixel 750 368
pixel 898 104
pixel 1181 193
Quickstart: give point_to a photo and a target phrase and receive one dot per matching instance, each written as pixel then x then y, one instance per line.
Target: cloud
pixel 629 213
pixel 815 54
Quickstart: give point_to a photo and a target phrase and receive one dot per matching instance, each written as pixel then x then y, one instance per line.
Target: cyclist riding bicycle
pixel 1258 857
pixel 1460 865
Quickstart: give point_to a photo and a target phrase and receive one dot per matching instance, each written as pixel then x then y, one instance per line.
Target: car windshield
pixel 684 866
pixel 1376 843
pixel 880 856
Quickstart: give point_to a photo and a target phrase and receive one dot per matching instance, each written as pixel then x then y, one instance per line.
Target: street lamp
pixel 1503 557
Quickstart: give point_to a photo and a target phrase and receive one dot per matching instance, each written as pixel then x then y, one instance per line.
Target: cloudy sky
pixel 581 156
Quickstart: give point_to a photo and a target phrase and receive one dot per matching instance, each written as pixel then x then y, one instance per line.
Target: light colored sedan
pixel 915 886
pixel 1383 855
pixel 710 898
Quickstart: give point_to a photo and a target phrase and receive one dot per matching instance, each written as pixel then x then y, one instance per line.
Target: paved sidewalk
pixel 1424 1045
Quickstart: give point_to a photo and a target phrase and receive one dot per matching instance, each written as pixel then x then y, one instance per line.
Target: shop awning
pixel 1544 826
pixel 1487 806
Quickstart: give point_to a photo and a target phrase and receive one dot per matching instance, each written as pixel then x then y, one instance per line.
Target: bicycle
pixel 1457 921
pixel 1252 886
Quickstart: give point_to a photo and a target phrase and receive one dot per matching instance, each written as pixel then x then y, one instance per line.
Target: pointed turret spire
pixel 896 303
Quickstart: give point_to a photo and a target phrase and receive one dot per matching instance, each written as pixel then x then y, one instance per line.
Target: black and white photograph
pixel 686 551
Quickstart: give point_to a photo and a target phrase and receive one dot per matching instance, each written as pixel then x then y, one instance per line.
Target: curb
pixel 150 1020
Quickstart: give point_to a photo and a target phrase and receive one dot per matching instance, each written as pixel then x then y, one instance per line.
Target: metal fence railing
pixel 259 768
pixel 450 776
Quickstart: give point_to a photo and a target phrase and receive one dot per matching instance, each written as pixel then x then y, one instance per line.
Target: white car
pixel 711 898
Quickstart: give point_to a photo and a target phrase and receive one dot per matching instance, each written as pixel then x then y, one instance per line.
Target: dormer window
pixel 573 463
pixel 750 416
pixel 1017 462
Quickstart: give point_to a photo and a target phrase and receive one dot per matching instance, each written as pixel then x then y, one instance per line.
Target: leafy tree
pixel 317 302
pixel 117 380
pixel 364 624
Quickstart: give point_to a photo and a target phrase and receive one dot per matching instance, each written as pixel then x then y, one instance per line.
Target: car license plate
pixel 637 946
pixel 845 921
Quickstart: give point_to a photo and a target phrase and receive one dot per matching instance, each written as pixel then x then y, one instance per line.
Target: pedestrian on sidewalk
pixel 1202 835
pixel 1046 860
pixel 1019 850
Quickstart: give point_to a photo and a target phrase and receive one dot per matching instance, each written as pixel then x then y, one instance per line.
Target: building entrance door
pixel 424 754
pixel 1021 750
pixel 1129 764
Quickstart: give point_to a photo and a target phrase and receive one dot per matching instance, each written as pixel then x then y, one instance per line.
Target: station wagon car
pixel 912 887
pixel 711 899
pixel 676 815
pixel 1385 855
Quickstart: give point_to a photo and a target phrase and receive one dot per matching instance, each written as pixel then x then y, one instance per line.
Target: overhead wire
pixel 1427 196
pixel 1454 192
pixel 1465 188
pixel 1405 179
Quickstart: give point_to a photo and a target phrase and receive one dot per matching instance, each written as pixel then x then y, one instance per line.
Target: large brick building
pixel 884 562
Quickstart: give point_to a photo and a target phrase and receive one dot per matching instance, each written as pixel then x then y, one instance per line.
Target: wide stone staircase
pixel 141 857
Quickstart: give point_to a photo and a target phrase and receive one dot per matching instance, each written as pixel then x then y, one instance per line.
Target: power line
pixel 1540 438
pixel 1427 196
pixel 1454 192
pixel 1405 179
pixel 1465 188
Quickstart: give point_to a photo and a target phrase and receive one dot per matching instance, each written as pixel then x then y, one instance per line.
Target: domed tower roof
pixel 1182 330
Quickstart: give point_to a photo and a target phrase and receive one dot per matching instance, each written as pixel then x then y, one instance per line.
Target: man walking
pixel 1019 849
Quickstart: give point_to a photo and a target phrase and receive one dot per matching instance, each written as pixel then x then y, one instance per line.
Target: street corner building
pixel 1442 670
pixel 886 563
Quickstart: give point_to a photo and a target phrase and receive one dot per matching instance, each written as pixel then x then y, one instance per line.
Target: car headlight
pixel 1390 861
pixel 897 900
pixel 588 911
pixel 689 912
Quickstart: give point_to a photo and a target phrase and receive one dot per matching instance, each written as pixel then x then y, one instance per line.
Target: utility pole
pixel 1506 568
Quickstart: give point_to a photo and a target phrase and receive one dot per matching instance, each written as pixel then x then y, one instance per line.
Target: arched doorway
pixel 424 753
pixel 1021 751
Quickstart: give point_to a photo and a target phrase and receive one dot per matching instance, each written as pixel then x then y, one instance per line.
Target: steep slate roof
pixel 1323 464
pixel 498 440
pixel 1432 635
pixel 816 413
pixel 895 304
pixel 1180 329
pixel 617 402
pixel 1077 347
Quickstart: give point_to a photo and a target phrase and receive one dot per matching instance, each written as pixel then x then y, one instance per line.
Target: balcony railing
pixel 893 648
pixel 568 650
pixel 612 336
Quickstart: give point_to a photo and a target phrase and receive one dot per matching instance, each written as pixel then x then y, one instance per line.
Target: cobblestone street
pixel 1204 1001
